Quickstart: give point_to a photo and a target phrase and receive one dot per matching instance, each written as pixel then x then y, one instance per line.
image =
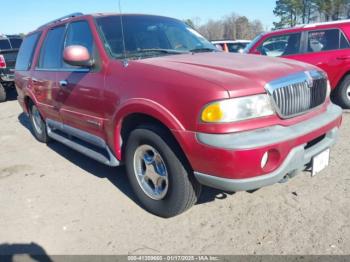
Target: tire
pixel 342 93
pixel 38 124
pixel 2 93
pixel 178 189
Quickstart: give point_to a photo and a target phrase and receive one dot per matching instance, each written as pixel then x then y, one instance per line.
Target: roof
pixel 74 15
pixel 305 26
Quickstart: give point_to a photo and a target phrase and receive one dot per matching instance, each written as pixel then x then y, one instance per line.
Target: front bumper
pixel 325 126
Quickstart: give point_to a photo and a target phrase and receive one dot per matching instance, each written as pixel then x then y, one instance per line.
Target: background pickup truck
pixel 9 46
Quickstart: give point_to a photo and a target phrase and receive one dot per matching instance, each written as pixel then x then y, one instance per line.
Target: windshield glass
pixel 251 44
pixel 148 36
pixel 4 44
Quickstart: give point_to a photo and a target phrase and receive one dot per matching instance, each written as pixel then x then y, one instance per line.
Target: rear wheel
pixel 159 176
pixel 38 124
pixel 2 93
pixel 342 93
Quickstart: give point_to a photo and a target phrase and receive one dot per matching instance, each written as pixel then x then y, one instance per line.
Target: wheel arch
pixel 139 113
pixel 341 79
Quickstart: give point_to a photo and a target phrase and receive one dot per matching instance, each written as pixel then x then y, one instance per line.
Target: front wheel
pixel 2 93
pixel 158 174
pixel 342 93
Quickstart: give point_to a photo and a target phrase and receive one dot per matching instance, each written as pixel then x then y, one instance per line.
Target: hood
pixel 239 74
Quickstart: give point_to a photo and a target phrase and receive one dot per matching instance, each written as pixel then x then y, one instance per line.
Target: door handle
pixel 63 83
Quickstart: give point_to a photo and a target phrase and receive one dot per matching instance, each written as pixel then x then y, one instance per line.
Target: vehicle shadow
pixel 116 175
pixel 33 250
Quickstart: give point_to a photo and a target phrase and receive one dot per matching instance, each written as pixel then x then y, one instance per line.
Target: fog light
pixel 264 160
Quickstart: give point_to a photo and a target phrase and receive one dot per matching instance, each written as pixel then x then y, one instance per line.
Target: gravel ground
pixel 58 201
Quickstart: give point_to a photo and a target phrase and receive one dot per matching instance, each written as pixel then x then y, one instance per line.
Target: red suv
pixel 151 92
pixel 325 45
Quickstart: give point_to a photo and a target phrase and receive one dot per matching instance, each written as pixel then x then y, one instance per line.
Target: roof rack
pixel 61 19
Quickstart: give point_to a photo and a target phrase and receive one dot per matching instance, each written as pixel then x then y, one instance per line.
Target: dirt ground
pixel 55 200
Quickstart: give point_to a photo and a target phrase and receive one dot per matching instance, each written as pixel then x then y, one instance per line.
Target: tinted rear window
pixel 4 44
pixel 326 40
pixel 16 42
pixel 25 55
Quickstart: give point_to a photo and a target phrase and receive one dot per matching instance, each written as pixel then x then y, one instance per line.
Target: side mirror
pixel 77 55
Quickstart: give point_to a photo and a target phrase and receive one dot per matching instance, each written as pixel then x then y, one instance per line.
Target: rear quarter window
pixel 26 52
pixel 16 43
pixel 326 40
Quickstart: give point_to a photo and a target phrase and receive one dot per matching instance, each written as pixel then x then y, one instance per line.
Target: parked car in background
pixel 9 45
pixel 325 45
pixel 232 46
pixel 178 113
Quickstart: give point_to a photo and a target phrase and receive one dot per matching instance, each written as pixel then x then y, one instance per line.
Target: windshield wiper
pixel 203 50
pixel 159 50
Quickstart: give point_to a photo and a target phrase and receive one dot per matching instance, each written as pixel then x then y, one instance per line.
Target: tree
pixel 231 26
pixel 293 12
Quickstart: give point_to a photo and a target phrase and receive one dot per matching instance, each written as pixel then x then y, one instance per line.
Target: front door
pixel 82 89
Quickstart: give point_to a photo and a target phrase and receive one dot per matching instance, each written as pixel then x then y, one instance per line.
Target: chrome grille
pixel 299 93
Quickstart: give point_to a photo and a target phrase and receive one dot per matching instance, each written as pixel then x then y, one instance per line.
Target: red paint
pixel 171 89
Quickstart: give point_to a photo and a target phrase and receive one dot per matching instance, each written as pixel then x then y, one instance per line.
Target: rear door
pixel 82 89
pixel 329 50
pixel 44 86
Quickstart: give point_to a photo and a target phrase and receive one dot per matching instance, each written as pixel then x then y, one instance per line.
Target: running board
pixel 85 143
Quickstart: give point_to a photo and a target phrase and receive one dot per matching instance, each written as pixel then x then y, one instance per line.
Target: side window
pixel 51 52
pixel 326 40
pixel 26 52
pixel 281 45
pixel 79 33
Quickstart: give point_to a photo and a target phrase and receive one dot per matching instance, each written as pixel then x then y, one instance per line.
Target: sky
pixel 23 16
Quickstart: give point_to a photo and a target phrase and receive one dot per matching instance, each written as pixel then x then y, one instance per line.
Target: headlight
pixel 237 109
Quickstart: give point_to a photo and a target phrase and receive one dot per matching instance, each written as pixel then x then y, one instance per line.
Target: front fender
pixel 141 106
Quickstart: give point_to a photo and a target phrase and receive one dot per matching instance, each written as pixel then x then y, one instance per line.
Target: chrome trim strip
pixel 293 79
pixel 270 135
pixel 84 136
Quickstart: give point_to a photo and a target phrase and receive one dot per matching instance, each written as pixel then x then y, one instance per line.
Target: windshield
pixel 251 44
pixel 4 44
pixel 148 36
